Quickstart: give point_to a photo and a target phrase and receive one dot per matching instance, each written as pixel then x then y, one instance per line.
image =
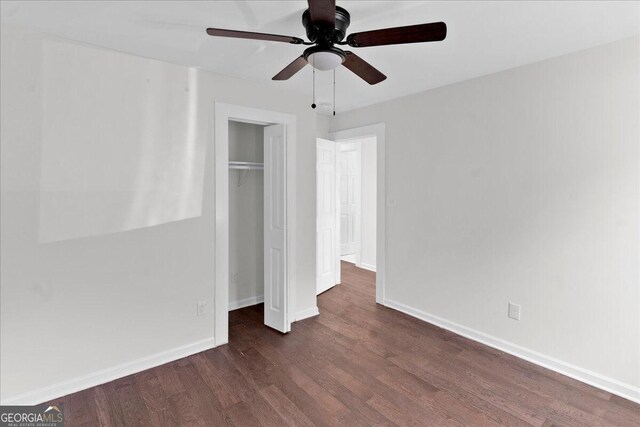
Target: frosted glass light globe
pixel 324 61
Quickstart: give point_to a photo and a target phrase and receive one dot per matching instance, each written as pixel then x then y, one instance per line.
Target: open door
pixel 327 268
pixel 275 296
pixel 349 159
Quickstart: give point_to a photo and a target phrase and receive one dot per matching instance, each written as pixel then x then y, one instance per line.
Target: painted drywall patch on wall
pixel 120 145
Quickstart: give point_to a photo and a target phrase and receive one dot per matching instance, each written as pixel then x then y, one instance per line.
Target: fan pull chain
pixel 334 91
pixel 313 105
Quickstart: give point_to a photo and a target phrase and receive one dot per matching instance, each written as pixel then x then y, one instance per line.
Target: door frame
pixel 377 130
pixel 223 113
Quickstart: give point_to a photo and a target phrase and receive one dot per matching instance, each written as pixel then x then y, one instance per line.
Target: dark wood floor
pixel 356 364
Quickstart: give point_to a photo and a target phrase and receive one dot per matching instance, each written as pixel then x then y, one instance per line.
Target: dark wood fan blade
pixel 363 69
pixel 288 71
pixel 219 32
pixel 323 12
pixel 433 32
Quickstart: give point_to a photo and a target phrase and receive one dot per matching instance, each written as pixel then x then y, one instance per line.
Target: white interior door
pixel 275 262
pixel 327 267
pixel 349 164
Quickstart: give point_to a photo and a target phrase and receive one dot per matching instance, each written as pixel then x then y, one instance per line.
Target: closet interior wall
pixel 246 221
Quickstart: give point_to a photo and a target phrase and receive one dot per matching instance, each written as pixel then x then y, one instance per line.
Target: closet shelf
pixel 246 165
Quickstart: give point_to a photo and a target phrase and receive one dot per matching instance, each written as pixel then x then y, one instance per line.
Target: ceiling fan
pixel 326 25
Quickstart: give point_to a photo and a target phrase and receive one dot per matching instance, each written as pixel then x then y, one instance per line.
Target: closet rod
pixel 246 165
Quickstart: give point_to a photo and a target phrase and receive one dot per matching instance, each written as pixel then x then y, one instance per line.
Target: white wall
pixel 523 186
pixel 246 220
pixel 368 170
pixel 70 308
pixel 323 126
pixel 106 169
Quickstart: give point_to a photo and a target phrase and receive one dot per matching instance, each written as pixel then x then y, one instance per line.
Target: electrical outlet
pixel 202 307
pixel 514 311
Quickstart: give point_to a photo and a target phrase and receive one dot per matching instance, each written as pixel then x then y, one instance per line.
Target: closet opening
pixel 255 218
pixel 246 215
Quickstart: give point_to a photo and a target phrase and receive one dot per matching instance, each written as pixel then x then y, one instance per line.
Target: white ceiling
pixel 483 37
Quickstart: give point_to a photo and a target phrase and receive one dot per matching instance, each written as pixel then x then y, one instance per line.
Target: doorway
pixel 350 206
pixel 278 132
pixel 246 214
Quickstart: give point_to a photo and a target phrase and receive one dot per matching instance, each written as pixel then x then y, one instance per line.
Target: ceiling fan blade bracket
pixel 351 41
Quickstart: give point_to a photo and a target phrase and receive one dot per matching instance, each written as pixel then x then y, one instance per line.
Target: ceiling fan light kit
pixel 324 59
pixel 326 26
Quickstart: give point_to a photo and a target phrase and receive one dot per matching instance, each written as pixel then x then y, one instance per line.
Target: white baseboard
pixel 64 388
pixel 366 266
pixel 349 258
pixel 305 314
pixel 592 378
pixel 247 302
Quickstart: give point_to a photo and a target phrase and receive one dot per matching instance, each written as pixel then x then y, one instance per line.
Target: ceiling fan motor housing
pixel 323 34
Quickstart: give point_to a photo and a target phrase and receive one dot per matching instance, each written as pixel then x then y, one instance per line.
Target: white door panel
pixel 326 210
pixel 349 197
pixel 275 299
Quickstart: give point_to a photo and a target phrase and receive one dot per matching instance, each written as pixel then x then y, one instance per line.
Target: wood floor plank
pixel 134 410
pixel 264 411
pixel 321 396
pixel 357 364
pixel 168 379
pixel 289 412
pixel 151 391
pixel 80 408
pixel 223 391
pixel 394 413
pixel 240 414
pixel 187 413
pixel 107 408
pixel 202 396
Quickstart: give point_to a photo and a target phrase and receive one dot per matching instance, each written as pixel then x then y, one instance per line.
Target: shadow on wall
pixel 120 150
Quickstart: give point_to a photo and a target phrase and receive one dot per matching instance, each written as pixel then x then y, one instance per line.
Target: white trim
pixel 366 266
pixel 377 130
pixel 305 314
pixel 245 302
pixel 348 258
pixel 336 245
pixel 223 113
pixel 64 388
pixel 589 377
